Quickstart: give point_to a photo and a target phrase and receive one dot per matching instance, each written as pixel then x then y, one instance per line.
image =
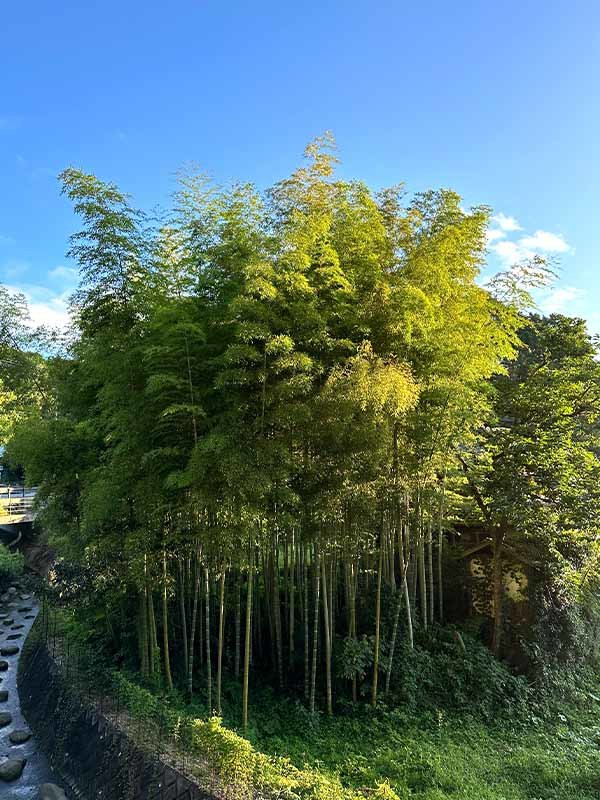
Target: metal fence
pixel 100 745
pixel 16 503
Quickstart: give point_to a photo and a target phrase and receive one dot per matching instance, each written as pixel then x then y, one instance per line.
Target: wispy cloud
pixel 46 306
pixel 558 299
pixel 13 268
pixel 512 250
pixel 506 223
pixel 67 275
pixel 545 242
pixel 493 234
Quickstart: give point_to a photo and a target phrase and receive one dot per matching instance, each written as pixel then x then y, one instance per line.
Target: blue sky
pixel 497 101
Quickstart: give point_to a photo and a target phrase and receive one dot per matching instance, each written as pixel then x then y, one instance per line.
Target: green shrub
pixel 438 674
pixel 229 757
pixel 384 791
pixel 11 566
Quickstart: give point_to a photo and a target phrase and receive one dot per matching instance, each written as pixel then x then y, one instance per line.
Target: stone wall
pixel 96 760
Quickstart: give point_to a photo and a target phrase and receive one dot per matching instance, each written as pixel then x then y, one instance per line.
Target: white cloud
pixel 506 223
pixel 66 275
pixel 558 298
pixel 508 252
pixel 45 306
pixel 494 234
pixel 545 242
pixel 515 250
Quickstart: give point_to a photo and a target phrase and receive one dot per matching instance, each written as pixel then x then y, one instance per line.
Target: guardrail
pixel 16 503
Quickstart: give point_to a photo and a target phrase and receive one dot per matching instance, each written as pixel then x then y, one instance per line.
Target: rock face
pixel 50 791
pixel 9 650
pixel 20 736
pixel 12 769
pixel 5 719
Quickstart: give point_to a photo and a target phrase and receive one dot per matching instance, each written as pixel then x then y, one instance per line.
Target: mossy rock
pixel 20 736
pixel 12 769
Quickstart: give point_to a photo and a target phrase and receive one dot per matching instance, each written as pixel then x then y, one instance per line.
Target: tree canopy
pixel 277 407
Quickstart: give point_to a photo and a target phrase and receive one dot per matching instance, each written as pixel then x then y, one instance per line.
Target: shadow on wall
pixel 88 752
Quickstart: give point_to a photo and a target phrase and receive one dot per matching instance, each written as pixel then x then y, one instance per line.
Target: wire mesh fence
pixel 111 747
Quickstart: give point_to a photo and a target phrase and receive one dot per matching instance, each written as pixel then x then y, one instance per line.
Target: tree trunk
pixel 165 624
pixel 498 590
pixel 292 603
pixel 208 661
pixel 247 645
pixel 326 620
pixel 440 554
pixel 377 629
pixel 153 637
pixel 306 634
pixel 238 625
pixel 184 634
pixel 190 666
pixel 313 678
pixel 221 634
pixel 430 571
pixel 421 564
pixel 143 629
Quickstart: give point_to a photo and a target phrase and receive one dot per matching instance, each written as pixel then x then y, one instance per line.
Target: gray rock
pixel 25 596
pixel 3 696
pixel 12 769
pixel 3 665
pixel 50 791
pixel 12 590
pixel 20 736
pixel 5 719
pixel 4 597
pixel 9 650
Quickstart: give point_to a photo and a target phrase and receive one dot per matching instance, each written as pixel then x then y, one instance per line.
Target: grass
pixel 435 757
pixel 524 753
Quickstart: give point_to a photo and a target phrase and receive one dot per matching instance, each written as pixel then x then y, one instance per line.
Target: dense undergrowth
pixel 463 728
pixel 11 566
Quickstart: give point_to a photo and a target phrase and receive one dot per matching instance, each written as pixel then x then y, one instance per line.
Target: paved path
pixel 21 608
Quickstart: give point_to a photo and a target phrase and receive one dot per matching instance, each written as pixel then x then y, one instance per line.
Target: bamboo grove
pixel 254 441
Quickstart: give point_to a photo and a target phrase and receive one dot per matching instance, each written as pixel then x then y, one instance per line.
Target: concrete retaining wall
pixel 95 759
